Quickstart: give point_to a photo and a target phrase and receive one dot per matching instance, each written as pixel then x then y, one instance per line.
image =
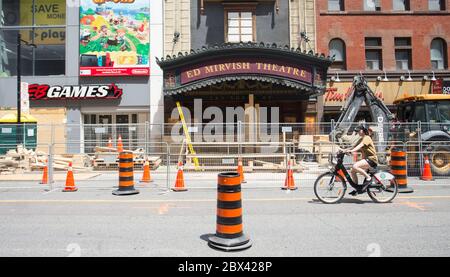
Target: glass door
pixel 89 132
pixel 99 128
pixel 122 129
pixel 105 130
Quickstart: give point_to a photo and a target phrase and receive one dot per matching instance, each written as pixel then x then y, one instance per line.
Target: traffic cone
pixel 126 174
pixel 229 234
pixel 179 183
pixel 110 144
pixel 289 182
pixel 45 174
pixel 240 170
pixel 426 175
pixel 146 178
pixel 399 165
pixel 70 182
pixel 119 144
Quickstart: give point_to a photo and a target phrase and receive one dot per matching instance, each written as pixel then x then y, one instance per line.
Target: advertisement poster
pixel 46 12
pixel 446 87
pixel 114 38
pixel 24 98
pixel 436 86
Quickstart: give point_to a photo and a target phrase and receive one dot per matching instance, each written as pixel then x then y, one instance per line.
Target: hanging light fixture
pixel 409 76
pixel 385 79
pixel 434 77
pixel 335 78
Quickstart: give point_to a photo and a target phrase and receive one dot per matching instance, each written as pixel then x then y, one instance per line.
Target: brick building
pixel 257 33
pixel 384 39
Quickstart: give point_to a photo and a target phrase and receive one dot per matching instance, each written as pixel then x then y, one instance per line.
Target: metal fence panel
pixel 263 147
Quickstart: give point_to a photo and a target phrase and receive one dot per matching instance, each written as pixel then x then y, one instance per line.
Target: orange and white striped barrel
pixel 126 174
pixel 229 228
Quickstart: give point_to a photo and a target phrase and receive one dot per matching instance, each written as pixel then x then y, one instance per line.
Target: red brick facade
pixel 354 24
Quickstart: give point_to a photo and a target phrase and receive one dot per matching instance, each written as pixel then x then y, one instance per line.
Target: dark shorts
pixel 371 163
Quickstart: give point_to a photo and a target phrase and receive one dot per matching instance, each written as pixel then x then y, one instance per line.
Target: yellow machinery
pixel 433 113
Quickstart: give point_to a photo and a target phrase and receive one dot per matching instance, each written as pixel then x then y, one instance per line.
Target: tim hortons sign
pixel 333 95
pixel 47 92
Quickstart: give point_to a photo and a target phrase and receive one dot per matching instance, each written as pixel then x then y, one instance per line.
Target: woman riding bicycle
pixel 367 148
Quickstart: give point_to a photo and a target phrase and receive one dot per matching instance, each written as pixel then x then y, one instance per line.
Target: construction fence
pixel 264 149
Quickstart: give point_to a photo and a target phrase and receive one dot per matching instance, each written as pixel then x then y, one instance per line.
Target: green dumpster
pixel 11 133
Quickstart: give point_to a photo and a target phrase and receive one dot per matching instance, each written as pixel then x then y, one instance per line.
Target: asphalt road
pixel 93 222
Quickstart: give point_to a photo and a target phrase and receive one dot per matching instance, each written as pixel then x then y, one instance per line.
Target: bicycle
pixel 333 184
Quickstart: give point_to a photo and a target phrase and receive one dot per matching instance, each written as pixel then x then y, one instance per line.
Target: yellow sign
pixel 338 93
pixel 46 12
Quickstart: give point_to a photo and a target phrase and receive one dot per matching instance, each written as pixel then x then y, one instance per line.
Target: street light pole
pixel 19 98
pixel 19 41
pixel 19 85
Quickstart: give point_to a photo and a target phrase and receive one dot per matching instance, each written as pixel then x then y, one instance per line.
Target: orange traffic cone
pixel 240 170
pixel 45 174
pixel 70 182
pixel 179 183
pixel 119 144
pixel 146 178
pixel 289 182
pixel 426 175
pixel 110 144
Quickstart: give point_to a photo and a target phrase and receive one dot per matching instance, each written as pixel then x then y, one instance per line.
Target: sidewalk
pixel 193 180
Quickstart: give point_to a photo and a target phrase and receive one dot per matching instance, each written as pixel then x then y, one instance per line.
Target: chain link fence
pixel 264 149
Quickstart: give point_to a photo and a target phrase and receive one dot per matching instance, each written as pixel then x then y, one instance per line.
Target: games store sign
pixel 47 92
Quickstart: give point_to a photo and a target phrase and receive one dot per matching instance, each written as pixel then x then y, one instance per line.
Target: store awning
pixel 12 118
pixel 290 68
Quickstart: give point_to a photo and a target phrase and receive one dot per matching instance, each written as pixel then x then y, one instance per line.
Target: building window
pixel 240 26
pixel 336 5
pixel 403 53
pixel 438 51
pixel 372 5
pixel 42 23
pixel 337 49
pixel 374 60
pixel 400 5
pixel 436 5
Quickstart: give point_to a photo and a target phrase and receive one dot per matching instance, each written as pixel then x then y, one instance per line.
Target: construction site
pixel 262 149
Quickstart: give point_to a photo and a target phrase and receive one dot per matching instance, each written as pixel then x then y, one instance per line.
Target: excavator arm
pixel 361 93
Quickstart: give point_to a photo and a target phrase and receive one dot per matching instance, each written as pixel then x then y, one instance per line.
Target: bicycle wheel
pixel 384 191
pixel 329 188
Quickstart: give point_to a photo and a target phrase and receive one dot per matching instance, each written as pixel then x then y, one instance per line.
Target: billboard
pixel 46 12
pixel 437 86
pixel 114 38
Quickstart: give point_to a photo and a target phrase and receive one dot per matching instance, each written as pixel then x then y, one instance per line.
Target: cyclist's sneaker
pixel 361 188
pixel 365 185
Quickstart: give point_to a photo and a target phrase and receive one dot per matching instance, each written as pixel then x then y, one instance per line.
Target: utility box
pixel 12 133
